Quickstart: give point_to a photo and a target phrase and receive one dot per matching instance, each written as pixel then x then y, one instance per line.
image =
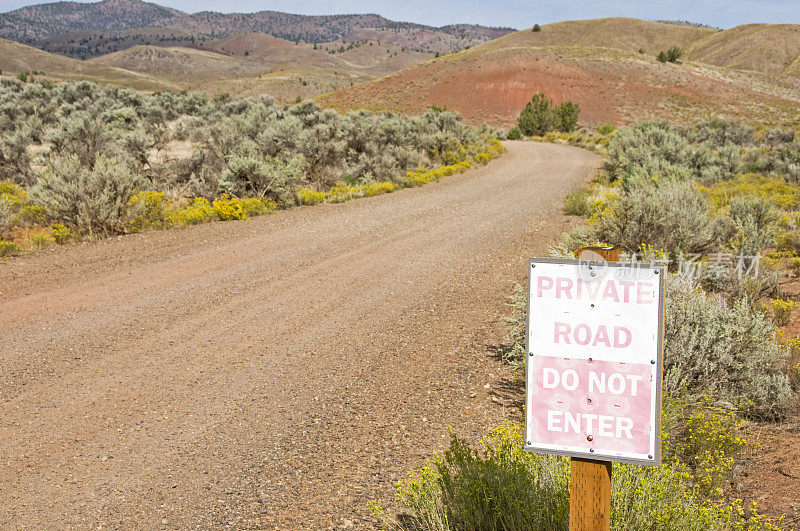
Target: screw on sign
pixel 593 371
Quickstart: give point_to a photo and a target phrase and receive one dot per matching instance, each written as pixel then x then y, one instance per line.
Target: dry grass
pixel 15 57
pixel 772 49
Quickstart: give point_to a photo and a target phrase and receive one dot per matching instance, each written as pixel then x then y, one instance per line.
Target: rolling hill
pixel 32 23
pixel 86 44
pixel 773 49
pixel 39 23
pixel 492 82
pixel 178 65
pixel 256 63
pixel 621 33
pixel 16 57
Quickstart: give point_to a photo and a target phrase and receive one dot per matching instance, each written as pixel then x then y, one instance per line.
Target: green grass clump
pixel 578 203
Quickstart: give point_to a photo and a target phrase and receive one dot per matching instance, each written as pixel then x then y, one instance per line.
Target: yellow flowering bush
pixel 776 190
pixel 151 209
pixel 781 310
pixel 384 187
pixel 310 197
pixel 227 208
pixel 61 233
pixel 8 248
pixel 22 210
pixel 500 486
pixel 708 444
pixel 37 239
pixel 156 212
pixel 198 211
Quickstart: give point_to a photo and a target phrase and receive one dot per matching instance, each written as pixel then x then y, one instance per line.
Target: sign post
pixel 593 372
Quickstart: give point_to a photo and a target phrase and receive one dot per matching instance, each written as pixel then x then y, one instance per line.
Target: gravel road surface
pixel 274 373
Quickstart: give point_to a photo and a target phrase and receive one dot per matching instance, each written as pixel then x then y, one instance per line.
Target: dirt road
pixel 278 372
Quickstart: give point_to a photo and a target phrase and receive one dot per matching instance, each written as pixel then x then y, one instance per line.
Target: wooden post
pixel 609 254
pixel 589 495
pixel 590 480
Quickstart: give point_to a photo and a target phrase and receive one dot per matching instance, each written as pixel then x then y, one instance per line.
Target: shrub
pixel 781 311
pixel 728 351
pixel 148 210
pixel 577 203
pixel 536 27
pixel 723 132
pixel 227 208
pixel 605 129
pixel 755 221
pixel 706 440
pixel 515 133
pixel 669 215
pixel 61 233
pixel 571 241
pixel 513 351
pixel 793 365
pixel 6 215
pixel 198 211
pixel 501 486
pixel 751 288
pixel 774 190
pixel 671 55
pixel 253 206
pixel 263 176
pixel 84 136
pixel 8 248
pixel 567 114
pixel 540 116
pixel 92 200
pixel 310 197
pixel 380 188
pixel 14 158
pixel 637 154
pixel 659 149
pixel 39 239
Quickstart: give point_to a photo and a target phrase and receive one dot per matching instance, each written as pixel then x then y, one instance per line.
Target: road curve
pixel 278 372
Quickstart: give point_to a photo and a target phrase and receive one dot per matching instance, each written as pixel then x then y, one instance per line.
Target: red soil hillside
pixel 492 82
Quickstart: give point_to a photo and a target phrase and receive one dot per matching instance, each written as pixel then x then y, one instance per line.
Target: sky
pixel 512 13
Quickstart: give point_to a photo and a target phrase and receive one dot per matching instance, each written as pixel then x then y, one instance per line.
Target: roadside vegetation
pixel 79 160
pixel 719 204
pixel 540 116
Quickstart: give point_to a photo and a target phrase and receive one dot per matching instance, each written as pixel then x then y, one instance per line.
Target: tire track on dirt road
pixel 278 372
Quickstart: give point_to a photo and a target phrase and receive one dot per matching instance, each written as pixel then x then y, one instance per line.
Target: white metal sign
pixel 593 364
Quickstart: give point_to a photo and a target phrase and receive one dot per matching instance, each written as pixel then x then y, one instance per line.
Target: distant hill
pixel 273 51
pixel 85 44
pixel 492 82
pixel 256 63
pixel 178 65
pixel 39 24
pixel 773 49
pixel 40 21
pixel 627 34
pixel 16 57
